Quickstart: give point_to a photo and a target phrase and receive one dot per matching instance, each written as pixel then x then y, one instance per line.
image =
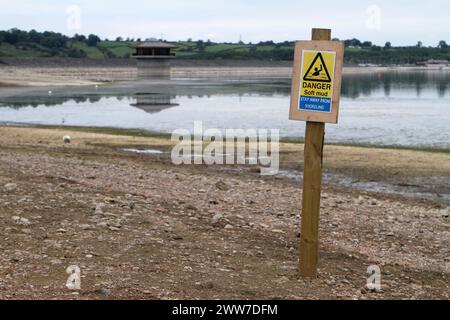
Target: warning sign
pixel 316 81
pixel 316 91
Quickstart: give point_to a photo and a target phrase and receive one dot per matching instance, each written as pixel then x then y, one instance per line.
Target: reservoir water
pixel 409 109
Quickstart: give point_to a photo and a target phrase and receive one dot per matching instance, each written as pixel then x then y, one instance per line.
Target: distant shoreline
pixel 78 72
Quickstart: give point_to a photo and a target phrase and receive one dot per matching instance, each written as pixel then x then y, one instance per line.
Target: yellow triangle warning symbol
pixel 318 70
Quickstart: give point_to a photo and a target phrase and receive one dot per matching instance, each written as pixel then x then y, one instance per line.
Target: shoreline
pixel 129 215
pixel 165 135
pixel 55 73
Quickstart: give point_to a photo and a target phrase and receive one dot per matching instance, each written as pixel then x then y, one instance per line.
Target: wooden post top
pixel 321 34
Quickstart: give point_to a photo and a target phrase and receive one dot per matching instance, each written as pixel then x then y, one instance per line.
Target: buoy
pixel 49 93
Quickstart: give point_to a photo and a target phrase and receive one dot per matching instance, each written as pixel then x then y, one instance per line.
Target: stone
pixel 26 231
pixel 345 281
pixel 21 221
pixel 282 280
pixel 11 187
pixel 55 261
pixel 86 227
pixel 104 291
pixel 99 208
pixel 255 170
pixel 222 186
pixel 218 217
pixel 190 207
pixel 445 213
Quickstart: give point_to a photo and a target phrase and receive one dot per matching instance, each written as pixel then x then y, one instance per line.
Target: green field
pixel 222 51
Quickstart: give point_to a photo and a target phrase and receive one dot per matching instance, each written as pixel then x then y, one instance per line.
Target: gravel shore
pixel 142 228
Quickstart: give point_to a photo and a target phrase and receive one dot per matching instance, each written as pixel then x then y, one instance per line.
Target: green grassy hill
pixel 23 44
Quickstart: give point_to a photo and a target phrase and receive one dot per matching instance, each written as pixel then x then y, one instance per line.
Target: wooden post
pixel 312 185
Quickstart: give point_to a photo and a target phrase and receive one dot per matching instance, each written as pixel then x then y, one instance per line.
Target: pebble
pixel 55 261
pixel 228 226
pixel 26 231
pixel 345 281
pixel 86 227
pixel 222 186
pixel 11 187
pixel 218 217
pixel 21 221
pixel 99 208
pixel 282 280
pixel 104 291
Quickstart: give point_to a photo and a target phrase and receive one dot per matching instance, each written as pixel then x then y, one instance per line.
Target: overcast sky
pixel 403 22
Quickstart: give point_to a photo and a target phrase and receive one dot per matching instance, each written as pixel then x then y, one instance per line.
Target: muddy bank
pixel 59 72
pixel 141 228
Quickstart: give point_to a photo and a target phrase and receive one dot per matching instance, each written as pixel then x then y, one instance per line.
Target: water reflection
pixel 358 85
pixel 383 109
pixel 153 102
pixel 375 85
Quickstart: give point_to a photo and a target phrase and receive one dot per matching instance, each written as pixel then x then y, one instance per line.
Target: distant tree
pixel 375 48
pixel 442 44
pixel 119 39
pixel 11 36
pixel 266 43
pixel 76 53
pixel 138 40
pixel 419 44
pixel 189 40
pixel 388 45
pixel 352 43
pixel 366 44
pixel 79 37
pixel 200 46
pixel 34 36
pixel 92 40
pixel 53 40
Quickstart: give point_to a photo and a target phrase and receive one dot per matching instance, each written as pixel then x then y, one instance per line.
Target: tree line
pixel 357 51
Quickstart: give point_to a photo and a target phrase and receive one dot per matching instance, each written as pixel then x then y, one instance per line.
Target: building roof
pixel 155 44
